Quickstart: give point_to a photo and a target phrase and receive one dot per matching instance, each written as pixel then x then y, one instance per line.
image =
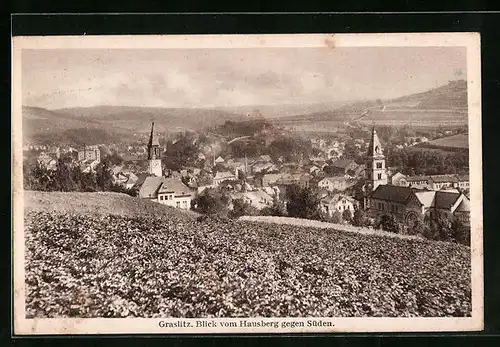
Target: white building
pixel 340 203
pixel 166 191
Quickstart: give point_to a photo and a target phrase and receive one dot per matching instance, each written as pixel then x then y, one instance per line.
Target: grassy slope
pixel 92 265
pixel 454 141
pixel 102 203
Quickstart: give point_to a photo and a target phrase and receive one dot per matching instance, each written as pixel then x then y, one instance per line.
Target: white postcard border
pixel 471 41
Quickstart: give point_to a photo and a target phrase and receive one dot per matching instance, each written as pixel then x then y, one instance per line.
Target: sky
pixel 59 78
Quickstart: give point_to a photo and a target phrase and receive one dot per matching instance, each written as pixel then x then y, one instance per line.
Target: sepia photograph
pixel 247 183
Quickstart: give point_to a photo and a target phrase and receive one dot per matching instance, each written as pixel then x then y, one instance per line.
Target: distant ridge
pixel 446 104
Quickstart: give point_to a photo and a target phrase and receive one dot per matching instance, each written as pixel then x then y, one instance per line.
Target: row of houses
pixel 408 204
pixel 432 182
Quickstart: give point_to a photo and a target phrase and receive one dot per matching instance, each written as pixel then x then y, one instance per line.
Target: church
pixel 155 187
pixel 406 203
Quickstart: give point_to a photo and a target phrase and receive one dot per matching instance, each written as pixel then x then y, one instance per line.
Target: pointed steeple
pixel 375 147
pixel 153 139
pixel 154 155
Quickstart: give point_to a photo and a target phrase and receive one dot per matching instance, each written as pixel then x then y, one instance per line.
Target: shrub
pixel 347 216
pixel 388 223
pixel 359 218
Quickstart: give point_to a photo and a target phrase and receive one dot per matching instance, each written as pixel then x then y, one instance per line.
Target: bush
pixel 212 202
pixel 337 217
pixel 347 216
pixel 278 209
pixel 388 223
pixel 359 218
pixel 302 203
pixel 242 208
pixel 460 232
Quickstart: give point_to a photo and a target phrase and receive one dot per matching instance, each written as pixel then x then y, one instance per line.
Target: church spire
pixel 375 147
pixel 153 139
pixel 375 171
pixel 154 161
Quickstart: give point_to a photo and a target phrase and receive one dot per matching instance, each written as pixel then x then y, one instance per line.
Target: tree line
pixel 304 203
pixel 69 177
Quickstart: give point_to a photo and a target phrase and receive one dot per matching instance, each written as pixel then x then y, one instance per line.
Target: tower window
pixel 379 176
pixel 379 165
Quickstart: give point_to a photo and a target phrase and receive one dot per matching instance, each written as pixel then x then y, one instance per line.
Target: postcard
pixel 209 184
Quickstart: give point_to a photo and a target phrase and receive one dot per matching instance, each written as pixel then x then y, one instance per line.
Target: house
pixel 343 167
pixel 257 198
pixel 438 182
pixel 271 191
pixel 434 182
pixel 265 158
pixel 418 182
pixel 89 153
pixel 338 202
pixel 312 169
pixel 407 204
pixel 270 179
pixel 166 191
pixel 219 160
pixel 47 160
pixel 305 180
pixel 125 179
pixel 396 178
pixel 334 183
pixel 463 182
pixel 221 176
pixel 289 179
pixel 260 167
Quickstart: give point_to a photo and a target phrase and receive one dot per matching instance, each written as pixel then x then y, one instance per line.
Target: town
pixel 258 168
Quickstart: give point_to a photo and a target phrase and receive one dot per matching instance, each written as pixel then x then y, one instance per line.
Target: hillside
pixel 82 264
pixel 139 118
pixel 109 123
pixel 459 142
pixel 442 105
pixel 102 203
pixel 450 96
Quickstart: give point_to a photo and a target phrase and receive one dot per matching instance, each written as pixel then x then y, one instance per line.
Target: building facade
pixel 338 202
pixel 166 191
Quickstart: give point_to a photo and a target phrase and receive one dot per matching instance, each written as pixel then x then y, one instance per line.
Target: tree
pixel 302 203
pixel 350 150
pixel 63 180
pixel 389 223
pixel 278 208
pixel 347 216
pixel 460 232
pixel 37 177
pixel 359 218
pixel 114 159
pixel 242 208
pixel 212 202
pixel 337 217
pixel 104 176
pixel 418 227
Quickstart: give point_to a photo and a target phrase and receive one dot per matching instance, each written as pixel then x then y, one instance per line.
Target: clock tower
pixel 154 161
pixel 376 173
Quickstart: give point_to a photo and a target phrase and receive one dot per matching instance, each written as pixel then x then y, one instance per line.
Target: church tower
pixel 375 171
pixel 154 161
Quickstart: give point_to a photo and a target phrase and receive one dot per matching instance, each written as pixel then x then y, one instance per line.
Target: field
pixel 412 117
pixel 460 141
pixel 85 264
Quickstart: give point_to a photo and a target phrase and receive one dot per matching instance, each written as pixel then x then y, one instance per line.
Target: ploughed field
pixel 81 264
